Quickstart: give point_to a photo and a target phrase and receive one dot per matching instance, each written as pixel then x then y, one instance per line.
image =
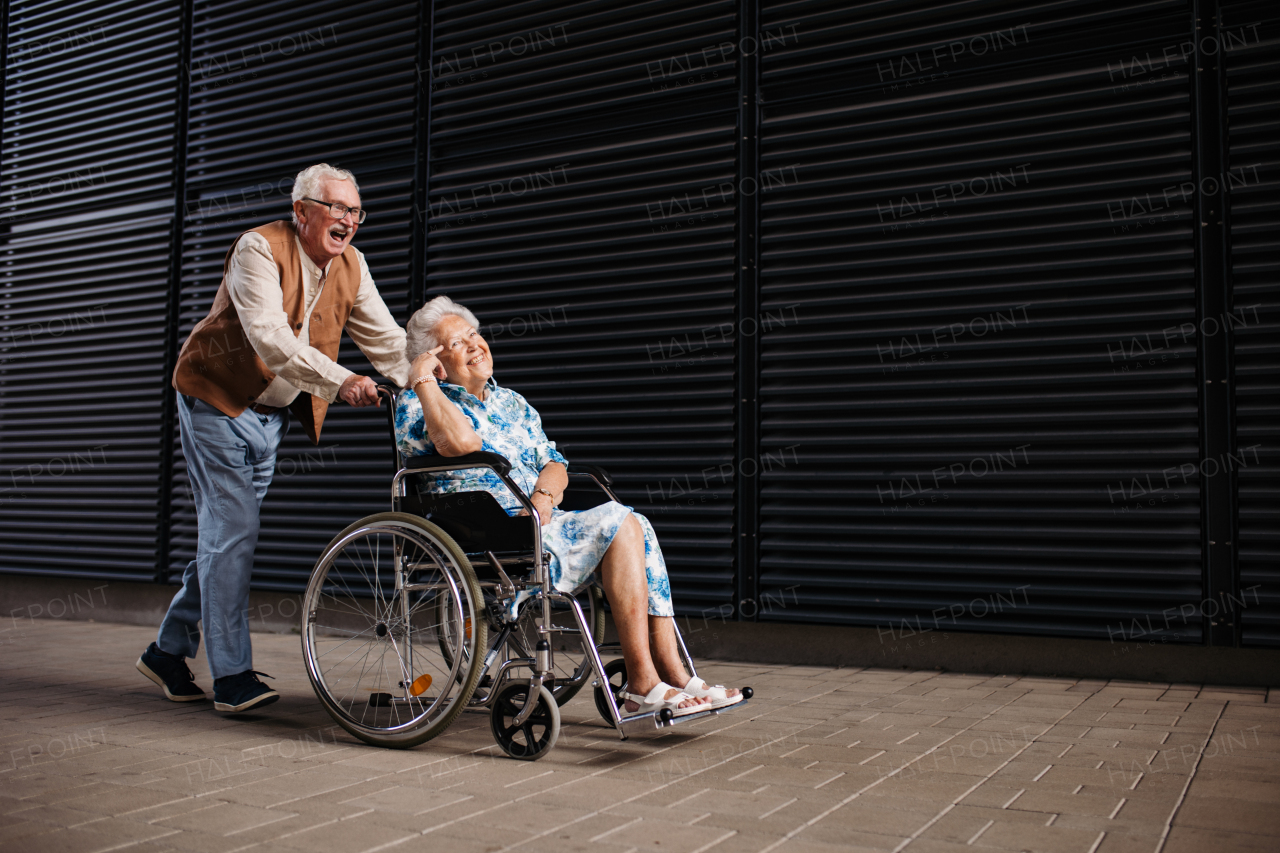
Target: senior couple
pixel 267 351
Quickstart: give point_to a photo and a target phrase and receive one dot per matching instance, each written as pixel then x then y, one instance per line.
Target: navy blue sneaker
pixel 171 673
pixel 242 691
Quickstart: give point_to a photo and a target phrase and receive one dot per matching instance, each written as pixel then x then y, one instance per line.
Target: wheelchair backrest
pixel 475 520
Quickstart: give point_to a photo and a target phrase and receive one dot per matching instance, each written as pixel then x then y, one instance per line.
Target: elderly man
pixel 266 349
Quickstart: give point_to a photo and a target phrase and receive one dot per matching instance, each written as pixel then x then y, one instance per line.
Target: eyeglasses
pixel 338 210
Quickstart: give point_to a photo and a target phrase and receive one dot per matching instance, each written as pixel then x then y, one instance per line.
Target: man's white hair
pixel 420 332
pixel 307 184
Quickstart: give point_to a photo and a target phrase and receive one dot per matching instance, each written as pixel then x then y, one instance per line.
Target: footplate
pixel 640 724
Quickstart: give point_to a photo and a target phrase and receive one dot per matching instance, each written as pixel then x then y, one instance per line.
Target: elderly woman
pixel 452 407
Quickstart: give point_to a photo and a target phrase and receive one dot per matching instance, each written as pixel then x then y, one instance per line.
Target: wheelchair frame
pixel 512 597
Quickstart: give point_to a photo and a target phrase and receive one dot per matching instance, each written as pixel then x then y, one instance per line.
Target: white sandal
pixel 718 694
pixel 656 701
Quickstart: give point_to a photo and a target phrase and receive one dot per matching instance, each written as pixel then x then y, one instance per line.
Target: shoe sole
pixel 146 670
pixel 256 702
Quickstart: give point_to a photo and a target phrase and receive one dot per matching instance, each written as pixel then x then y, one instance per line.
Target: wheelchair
pixel 445 604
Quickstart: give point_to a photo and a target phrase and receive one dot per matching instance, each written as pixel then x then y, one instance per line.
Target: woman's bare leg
pixel 625 583
pixel 666 653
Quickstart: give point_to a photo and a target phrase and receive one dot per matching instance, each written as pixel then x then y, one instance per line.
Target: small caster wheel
pixel 538 735
pixel 616 672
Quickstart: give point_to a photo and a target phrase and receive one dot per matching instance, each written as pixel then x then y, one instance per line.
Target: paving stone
pixel 1118 841
pixel 848 836
pixel 122 800
pixel 57 815
pixel 1183 839
pixel 649 834
pixel 1057 802
pixel 357 833
pixel 1027 836
pixel 963 824
pixel 104 834
pixel 1231 787
pixel 12 833
pixel 1229 815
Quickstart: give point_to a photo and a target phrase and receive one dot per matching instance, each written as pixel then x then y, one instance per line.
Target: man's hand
pixel 359 391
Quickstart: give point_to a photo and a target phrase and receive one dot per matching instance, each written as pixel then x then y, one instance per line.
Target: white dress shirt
pixel 253 283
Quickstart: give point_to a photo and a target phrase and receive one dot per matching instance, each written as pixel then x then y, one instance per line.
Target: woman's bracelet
pixel 415 383
pixel 545 492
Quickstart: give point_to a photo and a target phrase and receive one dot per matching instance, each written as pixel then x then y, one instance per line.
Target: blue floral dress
pixel 508 425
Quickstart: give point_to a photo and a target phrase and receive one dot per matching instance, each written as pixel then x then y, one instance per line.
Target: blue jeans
pixel 229 463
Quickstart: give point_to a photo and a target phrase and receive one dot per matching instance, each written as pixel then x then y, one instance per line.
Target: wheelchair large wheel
pixel 571 661
pixel 383 593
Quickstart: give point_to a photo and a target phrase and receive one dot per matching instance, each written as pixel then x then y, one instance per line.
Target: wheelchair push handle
pixel 386 389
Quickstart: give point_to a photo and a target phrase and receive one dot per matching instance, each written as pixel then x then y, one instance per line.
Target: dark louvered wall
pixel 87 200
pixel 982 260
pixel 274 90
pixel 1250 38
pixel 581 202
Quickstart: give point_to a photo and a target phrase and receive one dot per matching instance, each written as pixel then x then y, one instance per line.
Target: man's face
pixel 322 236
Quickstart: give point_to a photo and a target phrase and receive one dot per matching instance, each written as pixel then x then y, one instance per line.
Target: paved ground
pixel 93 759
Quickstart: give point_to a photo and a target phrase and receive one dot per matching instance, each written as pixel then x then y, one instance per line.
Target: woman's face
pixel 465 356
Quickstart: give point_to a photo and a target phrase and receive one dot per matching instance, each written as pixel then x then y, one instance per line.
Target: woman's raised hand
pixel 427 363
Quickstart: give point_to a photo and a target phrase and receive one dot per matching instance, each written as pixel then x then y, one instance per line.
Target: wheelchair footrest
pixel 639 724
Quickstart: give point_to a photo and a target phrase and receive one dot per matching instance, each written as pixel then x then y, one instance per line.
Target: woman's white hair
pixel 420 332
pixel 307 184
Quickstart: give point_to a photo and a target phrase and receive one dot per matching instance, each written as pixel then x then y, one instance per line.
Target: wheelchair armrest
pixel 594 471
pixel 479 459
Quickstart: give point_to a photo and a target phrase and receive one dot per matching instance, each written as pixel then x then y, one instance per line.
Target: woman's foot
pixel 717 695
pixel 661 697
pixel 633 707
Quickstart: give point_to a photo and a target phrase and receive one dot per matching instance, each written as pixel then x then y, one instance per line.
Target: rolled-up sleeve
pixel 376 332
pixel 253 283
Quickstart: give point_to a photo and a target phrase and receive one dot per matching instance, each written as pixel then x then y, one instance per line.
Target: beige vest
pixel 217 364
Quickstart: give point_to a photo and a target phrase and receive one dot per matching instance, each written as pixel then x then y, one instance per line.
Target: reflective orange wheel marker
pixel 420 685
